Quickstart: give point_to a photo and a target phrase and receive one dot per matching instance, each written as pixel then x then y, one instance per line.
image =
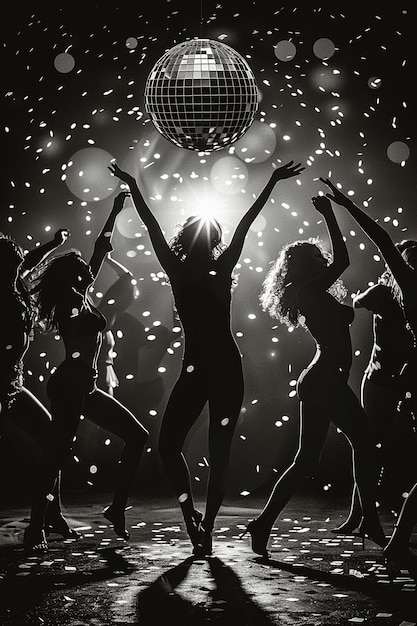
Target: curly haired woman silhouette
pixel 64 307
pixel 303 287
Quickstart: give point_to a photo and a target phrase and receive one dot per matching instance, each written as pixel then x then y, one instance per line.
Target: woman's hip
pixel 71 378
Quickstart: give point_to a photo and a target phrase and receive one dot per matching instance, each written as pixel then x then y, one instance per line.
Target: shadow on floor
pixel 160 604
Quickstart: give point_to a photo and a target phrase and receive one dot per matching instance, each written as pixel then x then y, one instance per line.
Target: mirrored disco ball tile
pixel 201 95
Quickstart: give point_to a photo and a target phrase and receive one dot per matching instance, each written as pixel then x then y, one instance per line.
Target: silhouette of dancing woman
pixel 200 270
pixel 303 287
pixel 24 420
pixel 64 307
pixel 381 391
pixel 403 267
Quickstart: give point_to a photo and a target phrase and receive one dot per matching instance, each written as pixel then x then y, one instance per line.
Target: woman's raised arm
pixel 38 255
pixel 393 258
pixel 103 245
pixel 340 260
pixel 235 248
pixel 160 245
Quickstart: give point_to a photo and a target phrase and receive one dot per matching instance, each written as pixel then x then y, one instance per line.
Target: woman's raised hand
pixel 120 199
pixel 336 195
pixel 61 236
pixel 287 171
pixel 124 176
pixel 322 204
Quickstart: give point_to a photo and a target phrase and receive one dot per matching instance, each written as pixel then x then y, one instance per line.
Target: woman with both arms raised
pixel 200 269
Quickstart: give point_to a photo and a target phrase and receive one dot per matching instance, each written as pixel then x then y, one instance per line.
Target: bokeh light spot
pixel 398 151
pixel 229 175
pixel 131 43
pixel 324 48
pixel 285 50
pixel 128 223
pixel 257 145
pixel 64 62
pixel 87 175
pixel 259 224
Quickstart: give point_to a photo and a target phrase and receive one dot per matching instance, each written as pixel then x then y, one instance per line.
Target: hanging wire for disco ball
pixel 201 95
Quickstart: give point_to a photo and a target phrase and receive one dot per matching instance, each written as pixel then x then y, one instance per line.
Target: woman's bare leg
pixel 184 406
pixel 108 413
pixel 313 431
pixel 351 420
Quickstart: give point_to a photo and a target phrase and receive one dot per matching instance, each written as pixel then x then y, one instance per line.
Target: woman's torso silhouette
pixel 328 321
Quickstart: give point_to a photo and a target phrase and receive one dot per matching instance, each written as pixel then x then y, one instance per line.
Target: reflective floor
pixel 314 577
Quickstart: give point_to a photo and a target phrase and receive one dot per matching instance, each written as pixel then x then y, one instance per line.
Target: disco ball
pixel 201 95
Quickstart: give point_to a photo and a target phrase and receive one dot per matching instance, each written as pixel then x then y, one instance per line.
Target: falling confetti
pixel 335 93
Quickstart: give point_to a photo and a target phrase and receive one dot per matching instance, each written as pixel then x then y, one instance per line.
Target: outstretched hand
pixel 124 176
pixel 336 195
pixel 61 236
pixel 322 204
pixel 287 171
pixel 119 200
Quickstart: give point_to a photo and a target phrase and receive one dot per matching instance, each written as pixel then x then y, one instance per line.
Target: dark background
pixel 337 124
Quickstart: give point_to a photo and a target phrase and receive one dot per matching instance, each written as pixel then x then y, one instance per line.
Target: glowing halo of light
pixel 324 48
pixel 229 175
pixel 203 221
pixel 64 62
pixel 257 145
pixel 87 175
pixel 285 50
pixel 398 151
pixel 206 208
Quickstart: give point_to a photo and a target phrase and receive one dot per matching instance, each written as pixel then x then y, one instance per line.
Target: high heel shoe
pixel 259 539
pixel 117 518
pixel 204 545
pixel 193 527
pixel 60 526
pixel 34 541
pixel 375 534
pixel 347 528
